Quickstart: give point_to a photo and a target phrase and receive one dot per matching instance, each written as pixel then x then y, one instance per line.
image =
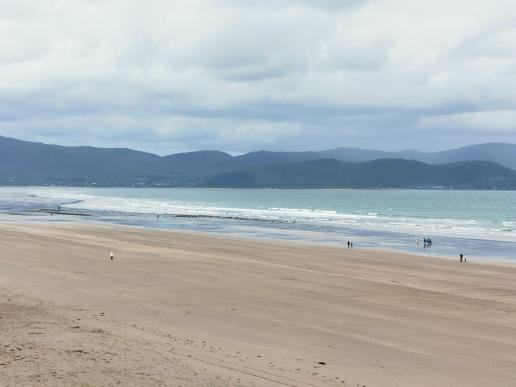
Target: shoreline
pixel 91 220
pixel 198 309
pixel 299 216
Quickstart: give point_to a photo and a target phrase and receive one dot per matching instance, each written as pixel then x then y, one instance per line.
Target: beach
pixel 194 309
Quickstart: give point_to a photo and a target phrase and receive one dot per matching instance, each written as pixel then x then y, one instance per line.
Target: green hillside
pixel 384 173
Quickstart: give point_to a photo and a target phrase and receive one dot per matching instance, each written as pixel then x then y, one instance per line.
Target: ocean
pixel 479 224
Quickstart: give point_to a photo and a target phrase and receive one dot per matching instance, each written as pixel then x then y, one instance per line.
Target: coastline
pixel 89 219
pixel 202 309
pixel 458 223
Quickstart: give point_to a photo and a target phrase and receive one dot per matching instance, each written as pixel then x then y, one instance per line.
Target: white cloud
pixel 359 72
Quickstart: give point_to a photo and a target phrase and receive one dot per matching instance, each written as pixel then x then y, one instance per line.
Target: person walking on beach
pixel 349 244
pixel 111 255
pixel 461 256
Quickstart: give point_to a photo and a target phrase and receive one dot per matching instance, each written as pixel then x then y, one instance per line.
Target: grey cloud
pixel 235 75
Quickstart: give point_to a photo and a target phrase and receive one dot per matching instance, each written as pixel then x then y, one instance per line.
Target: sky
pixel 167 76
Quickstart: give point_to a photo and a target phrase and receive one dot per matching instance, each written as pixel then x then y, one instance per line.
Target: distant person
pixel 349 244
pixel 111 255
pixel 417 242
pixel 461 256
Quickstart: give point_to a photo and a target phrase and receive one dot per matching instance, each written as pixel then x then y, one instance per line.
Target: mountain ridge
pixel 33 163
pixel 376 174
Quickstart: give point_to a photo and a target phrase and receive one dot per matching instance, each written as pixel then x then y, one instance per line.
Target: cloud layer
pixel 173 75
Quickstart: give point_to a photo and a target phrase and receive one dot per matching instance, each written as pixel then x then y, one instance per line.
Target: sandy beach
pixel 185 309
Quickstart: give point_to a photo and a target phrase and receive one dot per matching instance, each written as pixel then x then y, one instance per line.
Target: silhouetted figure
pixel 111 255
pixel 461 256
pixel 349 244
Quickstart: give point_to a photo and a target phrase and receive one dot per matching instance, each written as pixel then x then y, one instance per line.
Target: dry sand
pixel 178 309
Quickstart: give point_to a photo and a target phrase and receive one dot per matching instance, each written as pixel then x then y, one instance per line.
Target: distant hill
pixel 503 154
pixel 383 173
pixel 23 162
pixel 200 164
pixel 266 157
pixel 31 163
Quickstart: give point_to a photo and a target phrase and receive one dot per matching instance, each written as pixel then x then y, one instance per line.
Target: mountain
pixel 359 155
pixel 23 162
pixel 200 164
pixel 266 157
pixel 31 163
pixel 383 173
pixel 503 154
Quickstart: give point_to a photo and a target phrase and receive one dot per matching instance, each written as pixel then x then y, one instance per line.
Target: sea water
pixel 478 224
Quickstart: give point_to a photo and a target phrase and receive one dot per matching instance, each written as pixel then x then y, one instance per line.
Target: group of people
pixel 350 245
pixel 427 243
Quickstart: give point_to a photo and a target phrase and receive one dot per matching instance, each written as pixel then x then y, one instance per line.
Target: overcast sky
pixel 177 75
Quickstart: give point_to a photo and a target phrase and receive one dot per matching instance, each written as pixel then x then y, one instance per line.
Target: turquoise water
pixel 478 223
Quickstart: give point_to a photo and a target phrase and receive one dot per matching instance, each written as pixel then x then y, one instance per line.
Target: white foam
pixel 372 221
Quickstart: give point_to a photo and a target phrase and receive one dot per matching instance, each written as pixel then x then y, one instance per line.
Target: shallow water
pixel 475 223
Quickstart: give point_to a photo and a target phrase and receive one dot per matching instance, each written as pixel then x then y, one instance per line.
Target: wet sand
pixel 185 309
